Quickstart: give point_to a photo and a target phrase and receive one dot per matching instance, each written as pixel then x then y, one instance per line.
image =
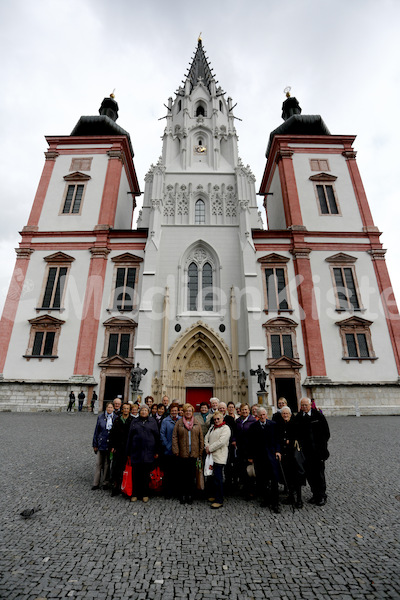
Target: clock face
pixel 200 149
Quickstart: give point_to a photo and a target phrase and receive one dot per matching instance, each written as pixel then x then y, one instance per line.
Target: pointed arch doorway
pixel 200 363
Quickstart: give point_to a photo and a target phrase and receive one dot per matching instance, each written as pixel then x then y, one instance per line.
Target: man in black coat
pixel 265 452
pixel 313 434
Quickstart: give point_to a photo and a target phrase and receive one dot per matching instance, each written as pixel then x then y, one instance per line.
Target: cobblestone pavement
pixel 85 544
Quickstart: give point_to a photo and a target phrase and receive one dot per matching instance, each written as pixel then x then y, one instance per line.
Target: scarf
pixel 188 424
pixel 220 425
pixel 109 421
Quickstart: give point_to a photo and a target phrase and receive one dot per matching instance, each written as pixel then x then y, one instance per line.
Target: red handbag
pixel 126 485
pixel 156 477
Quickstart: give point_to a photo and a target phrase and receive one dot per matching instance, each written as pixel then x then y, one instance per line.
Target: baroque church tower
pixel 200 293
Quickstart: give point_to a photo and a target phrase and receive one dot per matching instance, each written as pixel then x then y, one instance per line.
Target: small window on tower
pixel 200 112
pixel 325 192
pixel 221 107
pixel 179 106
pixel 73 199
pixel 74 192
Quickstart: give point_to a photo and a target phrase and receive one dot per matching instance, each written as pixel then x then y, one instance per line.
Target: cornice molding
pixel 24 252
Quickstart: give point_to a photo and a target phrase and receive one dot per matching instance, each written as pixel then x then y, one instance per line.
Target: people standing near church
pixel 168 461
pixel 143 447
pixel 187 446
pixel 230 467
pixel 243 424
pixel 254 410
pixel 204 417
pixel 213 405
pixel 117 443
pixel 313 435
pixel 277 417
pixel 117 402
pixel 81 397
pixel 71 401
pixel 149 400
pixel 93 400
pixel 166 403
pixel 264 450
pixel 216 443
pixel 100 446
pixel 160 414
pixel 232 410
pixel 287 432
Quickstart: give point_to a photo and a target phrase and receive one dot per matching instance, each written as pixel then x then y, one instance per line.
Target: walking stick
pixel 285 483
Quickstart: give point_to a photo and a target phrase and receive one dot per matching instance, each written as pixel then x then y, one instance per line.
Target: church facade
pixel 200 293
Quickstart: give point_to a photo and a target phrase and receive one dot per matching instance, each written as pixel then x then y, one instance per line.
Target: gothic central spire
pixel 200 68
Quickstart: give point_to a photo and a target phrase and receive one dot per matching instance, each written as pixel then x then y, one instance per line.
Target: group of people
pixel 237 448
pixel 81 398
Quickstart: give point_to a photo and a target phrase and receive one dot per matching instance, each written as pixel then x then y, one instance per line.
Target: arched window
pixel 193 285
pixel 207 281
pixel 179 106
pixel 200 111
pixel 200 213
pixel 221 106
pixel 200 278
pixel 199 282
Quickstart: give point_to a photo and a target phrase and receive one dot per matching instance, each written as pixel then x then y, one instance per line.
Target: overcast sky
pixel 61 57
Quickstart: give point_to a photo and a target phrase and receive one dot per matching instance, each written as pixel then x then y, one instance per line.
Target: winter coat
pixel 264 444
pixel 242 431
pixel 204 423
pixel 119 434
pixel 180 440
pixel 217 440
pixel 143 440
pixel 167 428
pixel 101 434
pixel 313 434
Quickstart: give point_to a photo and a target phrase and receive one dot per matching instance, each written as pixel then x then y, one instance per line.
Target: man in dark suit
pixel 265 453
pixel 313 435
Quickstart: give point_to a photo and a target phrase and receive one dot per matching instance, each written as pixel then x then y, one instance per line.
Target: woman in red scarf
pixel 217 443
pixel 187 446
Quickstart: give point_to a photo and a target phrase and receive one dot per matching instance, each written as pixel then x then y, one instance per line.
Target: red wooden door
pixel 196 395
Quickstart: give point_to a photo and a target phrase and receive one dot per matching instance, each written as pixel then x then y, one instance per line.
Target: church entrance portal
pixel 286 387
pixel 195 396
pixel 115 386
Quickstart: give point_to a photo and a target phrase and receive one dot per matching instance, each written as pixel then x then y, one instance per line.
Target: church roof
pixel 300 125
pixel 103 124
pixel 200 68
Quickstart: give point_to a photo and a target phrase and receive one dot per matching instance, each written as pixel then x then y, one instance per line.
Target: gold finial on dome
pixel 112 95
pixel 287 91
pixel 199 38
